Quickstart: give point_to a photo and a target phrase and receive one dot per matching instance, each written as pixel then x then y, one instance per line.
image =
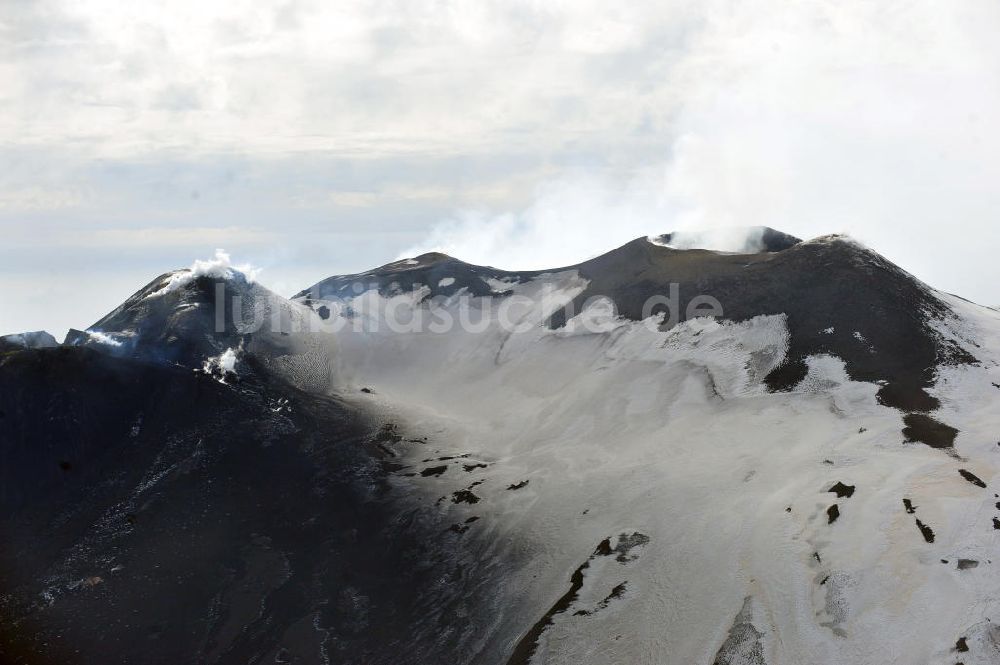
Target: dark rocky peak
pixel 39 339
pixel 838 297
pixel 184 317
pixel 443 275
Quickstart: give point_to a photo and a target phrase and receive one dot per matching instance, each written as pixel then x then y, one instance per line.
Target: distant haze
pixel 310 139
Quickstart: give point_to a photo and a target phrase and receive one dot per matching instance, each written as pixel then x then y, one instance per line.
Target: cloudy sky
pixel 314 138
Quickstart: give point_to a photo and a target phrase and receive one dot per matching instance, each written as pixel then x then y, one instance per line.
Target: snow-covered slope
pixel 749 489
pixel 659 455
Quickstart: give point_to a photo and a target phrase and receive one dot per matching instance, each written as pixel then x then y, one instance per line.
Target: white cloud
pixel 330 136
pixel 352 77
pixel 869 118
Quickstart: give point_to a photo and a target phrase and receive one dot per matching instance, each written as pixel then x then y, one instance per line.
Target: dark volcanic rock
pixel 972 478
pixel 526 647
pixel 180 326
pixel 838 297
pixel 200 318
pixel 464 496
pixel 29 340
pixel 922 428
pixel 442 274
pixel 926 531
pixel 153 515
pixel 829 283
pixel 842 491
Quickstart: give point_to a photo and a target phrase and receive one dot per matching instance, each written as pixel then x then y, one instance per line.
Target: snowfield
pixel 776 527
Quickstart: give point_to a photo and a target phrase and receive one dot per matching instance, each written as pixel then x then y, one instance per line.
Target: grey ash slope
pixel 670 433
pixel 153 514
pixel 839 297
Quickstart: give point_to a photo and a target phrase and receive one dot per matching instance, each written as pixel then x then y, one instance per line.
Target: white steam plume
pixel 572 218
pixel 219 267
pixel 862 118
pixel 585 214
pixel 743 240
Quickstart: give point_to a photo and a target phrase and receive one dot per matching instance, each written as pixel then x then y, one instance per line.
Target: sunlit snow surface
pixel 672 435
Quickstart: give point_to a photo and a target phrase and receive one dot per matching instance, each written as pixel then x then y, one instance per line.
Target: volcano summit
pixel 664 454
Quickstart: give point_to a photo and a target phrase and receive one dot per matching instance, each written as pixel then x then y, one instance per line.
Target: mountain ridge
pixel 594 483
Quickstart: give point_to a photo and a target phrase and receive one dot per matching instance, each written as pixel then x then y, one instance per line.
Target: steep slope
pixel 154 515
pixel 838 296
pixel 740 489
pixel 440 462
pixel 439 274
pixel 192 317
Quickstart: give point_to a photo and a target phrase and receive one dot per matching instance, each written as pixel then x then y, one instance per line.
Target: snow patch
pixel 447 281
pixel 500 285
pixel 599 316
